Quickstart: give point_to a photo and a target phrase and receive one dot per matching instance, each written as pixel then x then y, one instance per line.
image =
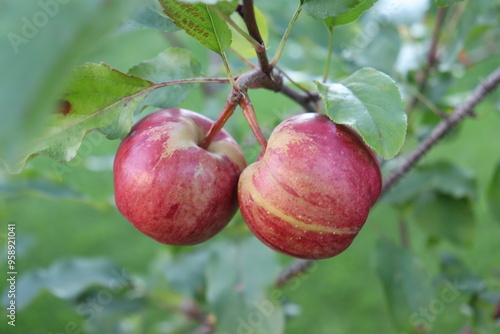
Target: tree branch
pixel 445 126
pixel 432 59
pixel 308 100
pixel 248 14
pixel 482 90
pixel 295 269
pixel 255 78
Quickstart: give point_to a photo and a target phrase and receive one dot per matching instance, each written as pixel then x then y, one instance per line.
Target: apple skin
pixel 313 189
pixel 171 189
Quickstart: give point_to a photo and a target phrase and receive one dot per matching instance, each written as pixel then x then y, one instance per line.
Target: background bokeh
pixel 72 242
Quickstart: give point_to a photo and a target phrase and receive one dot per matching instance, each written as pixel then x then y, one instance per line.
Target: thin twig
pixel 228 69
pixel 192 81
pixel 432 59
pixel 237 28
pixel 295 269
pixel 308 100
pixel 445 126
pixel 245 61
pixel 281 47
pixel 255 78
pixel 431 106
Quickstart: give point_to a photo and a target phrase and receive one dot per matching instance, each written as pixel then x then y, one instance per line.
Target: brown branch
pixel 248 14
pixel 255 78
pixel 496 311
pixel 193 312
pixel 251 21
pixel 482 90
pixel 445 126
pixel 432 60
pixel 295 269
pixel 308 100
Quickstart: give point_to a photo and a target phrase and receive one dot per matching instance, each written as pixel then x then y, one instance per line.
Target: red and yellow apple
pixel 313 189
pixel 169 187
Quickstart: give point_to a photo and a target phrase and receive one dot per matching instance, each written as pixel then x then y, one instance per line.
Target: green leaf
pixel 114 304
pixel 351 16
pixel 209 2
pixel 186 273
pixel 259 267
pixel 378 51
pixel 28 286
pixel 227 7
pixel 446 3
pixel 370 102
pixel 39 187
pixel 474 15
pixel 453 270
pixel 450 179
pixel 68 278
pixel 97 97
pixel 445 217
pixel 240 277
pixel 405 282
pixel 493 194
pixel 321 9
pixel 201 22
pixel 149 14
pixel 172 64
pixel 441 176
pixel 33 75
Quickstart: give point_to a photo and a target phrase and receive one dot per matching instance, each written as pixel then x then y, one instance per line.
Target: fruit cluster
pixel 307 197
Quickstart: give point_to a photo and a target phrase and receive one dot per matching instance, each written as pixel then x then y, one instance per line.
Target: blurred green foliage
pixel 82 268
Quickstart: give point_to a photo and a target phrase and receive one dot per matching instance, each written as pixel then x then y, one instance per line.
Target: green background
pixel 75 216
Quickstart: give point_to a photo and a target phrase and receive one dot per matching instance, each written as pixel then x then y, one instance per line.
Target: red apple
pixel 170 188
pixel 311 193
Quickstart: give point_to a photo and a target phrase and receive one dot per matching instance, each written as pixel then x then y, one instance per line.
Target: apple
pixel 169 187
pixel 313 189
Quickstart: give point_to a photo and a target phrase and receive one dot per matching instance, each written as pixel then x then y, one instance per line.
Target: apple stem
pixel 250 116
pixel 218 124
